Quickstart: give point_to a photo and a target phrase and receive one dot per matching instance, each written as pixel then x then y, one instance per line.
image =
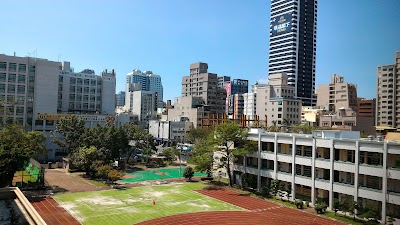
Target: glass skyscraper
pixel 292 45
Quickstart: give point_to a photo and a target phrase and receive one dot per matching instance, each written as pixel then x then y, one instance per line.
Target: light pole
pixel 180 157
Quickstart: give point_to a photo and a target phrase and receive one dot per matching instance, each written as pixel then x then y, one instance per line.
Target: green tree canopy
pixel 16 148
pixel 89 159
pixel 229 140
pixel 69 133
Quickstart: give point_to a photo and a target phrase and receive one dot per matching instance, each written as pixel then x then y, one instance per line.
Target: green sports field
pixel 158 174
pixel 135 205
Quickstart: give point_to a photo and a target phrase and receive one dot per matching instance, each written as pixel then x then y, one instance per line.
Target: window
pixel 79 81
pixel 11 89
pixel 10 99
pixel 31 78
pixel 86 82
pixel 85 98
pixel 22 68
pixel 32 68
pixel 12 77
pixel 92 90
pixel 279 115
pixel 3 65
pixel 79 89
pixel 21 78
pixel 72 97
pixel 93 82
pixel 20 110
pixel 92 98
pixel 78 97
pixel 12 67
pixel 20 100
pixel 21 89
pixel 60 79
pixel 3 77
pixel 86 90
pixel 279 109
pixel 72 88
pixel 72 80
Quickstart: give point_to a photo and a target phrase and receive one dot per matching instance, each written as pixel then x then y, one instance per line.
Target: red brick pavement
pixel 52 213
pixel 258 212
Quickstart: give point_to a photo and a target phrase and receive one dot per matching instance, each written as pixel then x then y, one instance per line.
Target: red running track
pixel 257 211
pixel 52 213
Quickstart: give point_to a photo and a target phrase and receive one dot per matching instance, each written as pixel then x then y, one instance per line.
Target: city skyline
pixel 137 35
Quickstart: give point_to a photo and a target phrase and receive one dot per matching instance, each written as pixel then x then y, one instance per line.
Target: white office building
pixel 36 93
pixel 326 165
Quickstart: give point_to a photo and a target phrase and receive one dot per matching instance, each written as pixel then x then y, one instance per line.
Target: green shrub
pixel 320 208
pixel 299 204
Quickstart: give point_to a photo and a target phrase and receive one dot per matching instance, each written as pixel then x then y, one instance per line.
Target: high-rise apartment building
pixel 222 80
pixel 141 103
pixel 275 100
pixel 337 95
pixel 387 108
pixel 292 44
pixel 201 83
pixel 236 86
pixel 85 92
pixel 37 92
pixel 148 82
pixel 120 98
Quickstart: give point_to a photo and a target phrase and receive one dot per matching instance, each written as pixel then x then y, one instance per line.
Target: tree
pixel 188 173
pixel 69 133
pixel 372 215
pixel 139 139
pixel 274 127
pixel 197 134
pixel 170 153
pixel 103 171
pixel 115 175
pixel 274 187
pixel 353 207
pixel 345 206
pixel 89 159
pixel 230 141
pixel 202 154
pixel 336 205
pixel 16 148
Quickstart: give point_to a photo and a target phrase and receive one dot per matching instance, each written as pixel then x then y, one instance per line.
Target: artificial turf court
pixel 135 205
pixel 157 174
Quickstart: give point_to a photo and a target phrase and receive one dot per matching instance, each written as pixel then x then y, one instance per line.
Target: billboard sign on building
pixel 84 117
pixel 281 24
pixel 230 104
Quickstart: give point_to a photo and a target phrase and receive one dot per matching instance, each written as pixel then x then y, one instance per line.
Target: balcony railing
pixel 370 189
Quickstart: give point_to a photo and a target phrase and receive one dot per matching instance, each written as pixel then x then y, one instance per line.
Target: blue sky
pixel 166 36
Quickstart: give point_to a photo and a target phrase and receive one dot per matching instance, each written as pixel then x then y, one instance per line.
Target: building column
pixel 356 171
pixel 313 171
pixel 293 189
pixel 275 176
pixel 384 182
pixel 259 164
pixel 332 157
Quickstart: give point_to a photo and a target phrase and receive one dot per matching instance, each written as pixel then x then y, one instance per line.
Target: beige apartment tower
pixel 275 100
pixel 201 83
pixel 388 93
pixel 337 95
